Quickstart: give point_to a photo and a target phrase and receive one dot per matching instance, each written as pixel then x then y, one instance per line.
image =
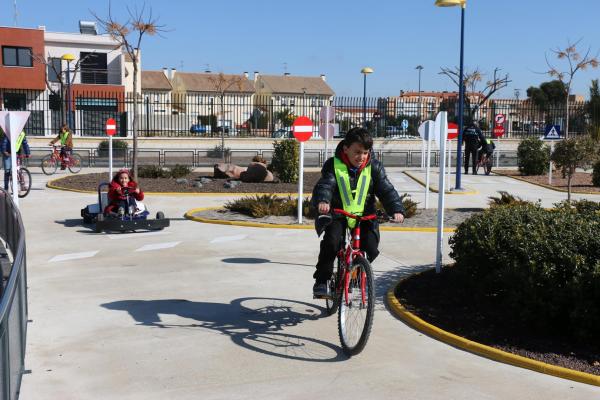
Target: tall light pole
pixel 461 90
pixel 365 71
pixel 420 68
pixel 68 58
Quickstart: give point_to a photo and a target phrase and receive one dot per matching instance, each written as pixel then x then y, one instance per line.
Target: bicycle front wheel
pixel 23 182
pixel 49 165
pixel 357 305
pixel 75 163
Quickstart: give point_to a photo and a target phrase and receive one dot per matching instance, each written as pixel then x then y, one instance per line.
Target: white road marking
pixel 135 235
pixel 158 246
pixel 224 239
pixel 73 256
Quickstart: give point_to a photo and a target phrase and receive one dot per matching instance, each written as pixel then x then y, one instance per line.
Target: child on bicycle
pixel 22 149
pixel 341 174
pixel 121 185
pixel 487 147
pixel 66 142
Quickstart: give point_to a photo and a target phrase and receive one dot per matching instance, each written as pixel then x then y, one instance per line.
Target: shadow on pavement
pixel 250 260
pixel 385 280
pixel 254 323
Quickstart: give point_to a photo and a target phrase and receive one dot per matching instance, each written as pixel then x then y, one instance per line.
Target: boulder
pixel 198 184
pixel 205 180
pixel 181 181
pixel 256 172
pixel 225 171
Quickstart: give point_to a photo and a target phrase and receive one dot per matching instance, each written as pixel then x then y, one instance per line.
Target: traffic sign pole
pixel 301 183
pixel 302 129
pixel 327 135
pixel 550 168
pixel 111 129
pixel 442 130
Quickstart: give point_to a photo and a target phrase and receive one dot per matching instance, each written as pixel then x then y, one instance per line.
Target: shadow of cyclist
pixel 254 323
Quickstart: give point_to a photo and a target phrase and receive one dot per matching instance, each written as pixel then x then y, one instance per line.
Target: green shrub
pixel 285 160
pixel 179 171
pixel 410 206
pixel 266 205
pixel 506 199
pixel 583 206
pixel 152 172
pixel 217 152
pixel 596 174
pixel 533 156
pixel 540 267
pixel 119 148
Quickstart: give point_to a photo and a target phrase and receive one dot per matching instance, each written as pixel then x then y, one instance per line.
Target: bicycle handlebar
pixel 357 217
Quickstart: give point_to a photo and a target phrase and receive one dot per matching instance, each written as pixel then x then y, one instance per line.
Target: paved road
pixel 219 312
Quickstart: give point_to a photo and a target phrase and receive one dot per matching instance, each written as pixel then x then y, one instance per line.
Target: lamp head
pixel 366 70
pixel 451 3
pixel 68 57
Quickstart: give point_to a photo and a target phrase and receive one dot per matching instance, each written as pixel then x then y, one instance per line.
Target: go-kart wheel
pixel 87 219
pixel 160 215
pixel 99 218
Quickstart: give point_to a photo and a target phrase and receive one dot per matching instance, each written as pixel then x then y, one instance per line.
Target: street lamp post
pixel 68 58
pixel 365 71
pixel 420 68
pixel 461 90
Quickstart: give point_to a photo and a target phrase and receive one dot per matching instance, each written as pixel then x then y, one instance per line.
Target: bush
pixel 152 172
pixel 217 152
pixel 506 199
pixel 179 171
pixel 596 174
pixel 533 156
pixel 541 267
pixel 285 160
pixel 119 148
pixel 260 206
pixel 410 206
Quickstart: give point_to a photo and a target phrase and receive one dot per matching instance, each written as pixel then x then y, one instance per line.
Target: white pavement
pixel 222 312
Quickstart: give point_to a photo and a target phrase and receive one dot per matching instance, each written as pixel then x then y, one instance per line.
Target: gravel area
pixel 441 300
pixel 423 218
pixel 581 181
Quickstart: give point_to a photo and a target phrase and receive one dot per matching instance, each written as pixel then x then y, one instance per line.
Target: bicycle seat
pixel 322 222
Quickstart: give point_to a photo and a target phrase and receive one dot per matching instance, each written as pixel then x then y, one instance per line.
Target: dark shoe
pixel 474 173
pixel 320 290
pixel 466 172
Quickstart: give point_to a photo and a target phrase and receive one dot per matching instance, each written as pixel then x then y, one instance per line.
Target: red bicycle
pixel 51 162
pixel 352 290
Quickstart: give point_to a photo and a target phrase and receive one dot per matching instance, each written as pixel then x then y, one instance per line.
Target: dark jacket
pixel 326 190
pixel 473 137
pixel 5 146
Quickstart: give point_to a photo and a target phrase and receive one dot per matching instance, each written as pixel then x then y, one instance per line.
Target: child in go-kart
pixel 122 193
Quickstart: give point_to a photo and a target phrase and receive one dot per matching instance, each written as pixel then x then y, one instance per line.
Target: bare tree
pixel 129 35
pixel 574 62
pixel 471 79
pixel 223 84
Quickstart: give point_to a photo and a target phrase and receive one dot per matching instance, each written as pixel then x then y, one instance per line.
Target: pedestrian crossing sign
pixel 552 132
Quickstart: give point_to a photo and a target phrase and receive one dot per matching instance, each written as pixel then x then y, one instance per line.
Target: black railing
pixel 13 302
pixel 180 114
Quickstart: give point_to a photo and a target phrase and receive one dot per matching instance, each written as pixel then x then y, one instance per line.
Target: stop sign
pixel 498 131
pixel 111 127
pixel 302 128
pixel 452 130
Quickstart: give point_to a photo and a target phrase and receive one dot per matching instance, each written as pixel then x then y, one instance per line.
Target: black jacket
pixel 473 137
pixel 326 190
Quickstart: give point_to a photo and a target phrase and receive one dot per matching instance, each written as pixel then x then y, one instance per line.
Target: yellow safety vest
pixel 19 142
pixel 63 137
pixel 353 201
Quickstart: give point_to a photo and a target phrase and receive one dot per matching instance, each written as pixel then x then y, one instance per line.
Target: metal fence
pixel 171 114
pixel 13 300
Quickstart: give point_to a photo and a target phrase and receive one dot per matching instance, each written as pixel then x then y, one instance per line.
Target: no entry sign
pixel 498 131
pixel 499 119
pixel 452 130
pixel 111 127
pixel 302 128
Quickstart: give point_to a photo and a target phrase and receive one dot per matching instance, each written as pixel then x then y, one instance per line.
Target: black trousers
pixel 470 151
pixel 333 239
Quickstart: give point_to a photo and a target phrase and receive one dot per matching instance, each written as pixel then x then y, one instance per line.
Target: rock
pixel 198 184
pixel 204 180
pixel 181 181
pixel 231 184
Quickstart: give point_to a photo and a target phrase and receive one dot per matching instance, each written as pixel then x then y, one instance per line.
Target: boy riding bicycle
pixel 351 167
pixel 487 147
pixel 66 142
pixel 22 149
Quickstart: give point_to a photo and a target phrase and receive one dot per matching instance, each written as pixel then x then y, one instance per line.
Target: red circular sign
pixel 452 130
pixel 111 127
pixel 498 131
pixel 302 128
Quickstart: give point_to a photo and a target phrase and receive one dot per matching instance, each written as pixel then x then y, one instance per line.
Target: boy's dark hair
pixel 359 135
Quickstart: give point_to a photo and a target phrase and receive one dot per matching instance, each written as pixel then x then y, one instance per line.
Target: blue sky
pixel 339 37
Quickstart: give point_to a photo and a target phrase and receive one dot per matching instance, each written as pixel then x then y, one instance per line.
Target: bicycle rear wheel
pixel 23 182
pixel 75 163
pixel 355 316
pixel 488 165
pixel 49 165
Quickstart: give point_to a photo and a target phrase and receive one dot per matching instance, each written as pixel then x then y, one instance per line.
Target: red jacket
pixel 115 193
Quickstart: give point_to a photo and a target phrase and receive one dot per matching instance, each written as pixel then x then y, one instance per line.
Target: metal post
pixel 110 158
pixel 69 119
pixel 442 130
pixel 300 183
pixel 430 132
pixel 365 100
pixel 147 116
pixel 461 95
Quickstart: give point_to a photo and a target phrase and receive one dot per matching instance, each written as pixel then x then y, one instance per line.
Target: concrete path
pixel 220 312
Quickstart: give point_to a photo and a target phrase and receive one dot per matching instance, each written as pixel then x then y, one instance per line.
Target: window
pixel 93 68
pixel 54 69
pixel 15 101
pixel 16 56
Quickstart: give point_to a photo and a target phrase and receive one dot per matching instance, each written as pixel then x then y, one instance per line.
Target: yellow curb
pixel 483 350
pixel 518 178
pixel 190 215
pixel 52 185
pixel 420 182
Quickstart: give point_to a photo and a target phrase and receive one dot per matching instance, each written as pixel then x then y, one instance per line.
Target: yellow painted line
pixel 420 182
pixel 518 178
pixel 190 215
pixel 52 185
pixel 481 349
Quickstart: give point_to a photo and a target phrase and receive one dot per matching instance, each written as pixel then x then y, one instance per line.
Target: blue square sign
pixel 552 132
